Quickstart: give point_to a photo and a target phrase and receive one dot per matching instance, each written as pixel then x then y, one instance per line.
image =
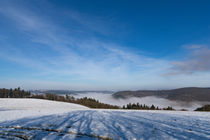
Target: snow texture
pixel 104 124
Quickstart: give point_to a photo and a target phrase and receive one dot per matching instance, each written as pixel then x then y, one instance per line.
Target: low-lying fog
pixel 160 102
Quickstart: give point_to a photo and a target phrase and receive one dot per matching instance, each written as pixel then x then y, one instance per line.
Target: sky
pixel 104 45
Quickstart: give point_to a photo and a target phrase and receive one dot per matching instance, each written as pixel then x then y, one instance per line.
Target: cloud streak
pixel 73 56
pixel 81 59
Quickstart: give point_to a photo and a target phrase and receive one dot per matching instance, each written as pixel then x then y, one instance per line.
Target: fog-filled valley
pixel 149 100
pixel 108 98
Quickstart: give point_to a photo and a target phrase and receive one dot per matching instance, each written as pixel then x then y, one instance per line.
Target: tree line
pixel 89 102
pixel 203 108
pixel 144 107
pixel 14 93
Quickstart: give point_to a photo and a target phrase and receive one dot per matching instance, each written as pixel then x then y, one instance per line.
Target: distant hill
pixel 181 94
pixel 71 92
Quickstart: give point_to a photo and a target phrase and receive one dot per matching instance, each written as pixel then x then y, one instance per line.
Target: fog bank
pixel 160 102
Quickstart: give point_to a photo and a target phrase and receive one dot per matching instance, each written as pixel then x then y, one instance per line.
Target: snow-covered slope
pixel 18 108
pixel 108 124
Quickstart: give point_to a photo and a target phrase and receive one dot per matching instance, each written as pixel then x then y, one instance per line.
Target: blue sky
pixel 104 45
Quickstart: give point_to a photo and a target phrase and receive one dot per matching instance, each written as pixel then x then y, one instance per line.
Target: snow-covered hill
pixel 18 108
pixel 98 124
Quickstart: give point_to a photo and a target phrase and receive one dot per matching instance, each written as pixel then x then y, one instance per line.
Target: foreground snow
pixel 11 109
pixel 102 124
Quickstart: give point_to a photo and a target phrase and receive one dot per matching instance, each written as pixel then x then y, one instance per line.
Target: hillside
pixel 181 94
pixel 41 119
pixel 16 108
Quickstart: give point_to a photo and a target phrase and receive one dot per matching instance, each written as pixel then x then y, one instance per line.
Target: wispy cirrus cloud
pixel 72 55
pixel 82 59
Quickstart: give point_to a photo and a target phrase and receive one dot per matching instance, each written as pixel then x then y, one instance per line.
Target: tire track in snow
pixel 101 124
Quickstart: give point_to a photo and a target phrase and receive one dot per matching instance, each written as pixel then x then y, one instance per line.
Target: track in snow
pixel 101 124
